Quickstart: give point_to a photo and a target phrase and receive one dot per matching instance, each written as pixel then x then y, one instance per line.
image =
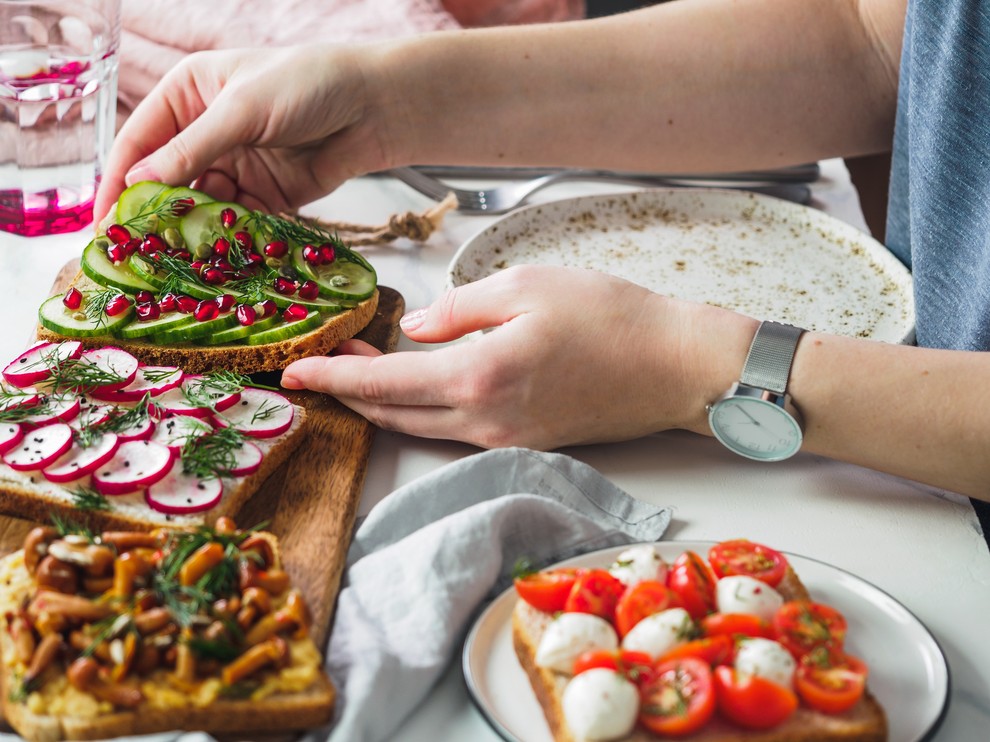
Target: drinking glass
pixel 58 101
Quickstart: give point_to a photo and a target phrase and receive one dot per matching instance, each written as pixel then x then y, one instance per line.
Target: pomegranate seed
pixel 131 246
pixel 214 276
pixel 143 297
pixel 246 314
pixel 284 286
pixel 244 240
pixel 116 305
pixel 117 253
pixel 148 311
pixel 167 303
pixel 156 242
pixel 182 206
pixel 182 255
pixel 327 254
pixel 197 265
pixel 73 298
pixel 118 234
pixel 227 218
pixel 221 247
pixel 254 258
pixel 311 254
pixel 222 265
pixel 309 290
pixel 186 304
pixel 266 308
pixel 206 310
pixel 276 249
pixel 224 302
pixel 294 313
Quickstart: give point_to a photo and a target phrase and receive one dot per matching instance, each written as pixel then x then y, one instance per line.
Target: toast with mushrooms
pixel 122 633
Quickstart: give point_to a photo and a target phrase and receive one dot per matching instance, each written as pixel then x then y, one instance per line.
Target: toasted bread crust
pixel 865 722
pixel 245 359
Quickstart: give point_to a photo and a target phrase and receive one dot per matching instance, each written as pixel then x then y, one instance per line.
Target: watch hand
pixel 751 418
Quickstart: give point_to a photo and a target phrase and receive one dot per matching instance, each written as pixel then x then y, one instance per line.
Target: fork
pixel 508 196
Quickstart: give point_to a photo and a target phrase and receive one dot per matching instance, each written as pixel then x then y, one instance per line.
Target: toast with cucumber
pixel 176 278
pixel 111 634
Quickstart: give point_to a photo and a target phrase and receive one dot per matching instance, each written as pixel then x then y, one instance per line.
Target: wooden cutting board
pixel 311 501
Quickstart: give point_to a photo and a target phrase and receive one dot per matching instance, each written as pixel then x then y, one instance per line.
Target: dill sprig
pixel 124 418
pixel 65 527
pixel 211 455
pixel 288 231
pixel 266 411
pixel 151 212
pixel 95 304
pixel 251 290
pixel 86 499
pixel 77 374
pixel 179 272
pixel 11 409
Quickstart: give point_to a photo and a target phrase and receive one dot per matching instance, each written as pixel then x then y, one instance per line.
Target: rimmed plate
pixel 909 674
pixel 762 256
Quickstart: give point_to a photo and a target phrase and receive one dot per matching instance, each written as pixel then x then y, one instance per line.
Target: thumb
pixel 481 305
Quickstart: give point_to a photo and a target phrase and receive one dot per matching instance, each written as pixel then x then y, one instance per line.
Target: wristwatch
pixel 756 418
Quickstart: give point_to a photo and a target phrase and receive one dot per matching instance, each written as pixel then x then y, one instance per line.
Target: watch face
pixel 755 428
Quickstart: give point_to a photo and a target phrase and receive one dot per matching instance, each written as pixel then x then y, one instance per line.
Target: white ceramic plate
pixel 908 672
pixel 764 257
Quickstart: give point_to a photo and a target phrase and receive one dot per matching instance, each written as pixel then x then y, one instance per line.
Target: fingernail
pixel 413 319
pixel 141 171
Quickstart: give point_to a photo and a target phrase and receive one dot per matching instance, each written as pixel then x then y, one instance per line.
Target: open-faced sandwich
pixel 729 649
pixel 179 279
pixel 120 633
pixel 96 436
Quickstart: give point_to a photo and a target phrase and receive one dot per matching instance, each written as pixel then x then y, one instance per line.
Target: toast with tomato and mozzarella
pixel 726 649
pixel 123 633
pixel 96 436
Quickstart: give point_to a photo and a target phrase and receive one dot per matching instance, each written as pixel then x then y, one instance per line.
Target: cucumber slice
pixel 286 330
pixel 137 206
pixel 164 204
pixel 319 304
pixel 237 333
pixel 57 317
pixel 341 279
pixel 98 266
pixel 202 224
pixel 167 322
pixel 144 270
pixel 197 329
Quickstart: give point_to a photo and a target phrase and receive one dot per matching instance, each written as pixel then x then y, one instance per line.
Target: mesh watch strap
pixel 768 364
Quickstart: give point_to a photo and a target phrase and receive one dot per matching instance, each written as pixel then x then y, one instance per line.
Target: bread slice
pixel 865 722
pixel 245 359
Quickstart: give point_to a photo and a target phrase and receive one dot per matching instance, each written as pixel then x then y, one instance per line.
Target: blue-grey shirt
pixel 938 220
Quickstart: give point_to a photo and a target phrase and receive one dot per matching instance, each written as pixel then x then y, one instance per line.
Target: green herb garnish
pixel 85 499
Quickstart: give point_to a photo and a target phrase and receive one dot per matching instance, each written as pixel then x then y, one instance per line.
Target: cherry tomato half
pixel 595 591
pixel 735 625
pixel 547 590
pixel 641 600
pixel 715 650
pixel 636 666
pixel 742 557
pixel 680 699
pixel 830 681
pixel 802 625
pixel 694 582
pixel 751 701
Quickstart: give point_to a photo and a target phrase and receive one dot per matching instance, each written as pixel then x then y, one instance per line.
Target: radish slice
pixel 10 435
pixel 151 380
pixel 174 402
pixel 91 414
pixel 135 466
pixel 34 364
pixel 259 414
pixel 56 408
pixel 204 387
pixel 141 430
pixel 77 462
pixel 247 460
pixel 177 430
pixel 181 494
pixel 12 397
pixel 114 362
pixel 39 448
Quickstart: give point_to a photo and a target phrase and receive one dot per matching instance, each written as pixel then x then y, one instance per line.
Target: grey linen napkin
pixel 434 551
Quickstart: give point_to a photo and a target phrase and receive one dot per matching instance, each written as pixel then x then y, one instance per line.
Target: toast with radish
pixel 728 649
pixel 96 436
pixel 176 278
pixel 108 634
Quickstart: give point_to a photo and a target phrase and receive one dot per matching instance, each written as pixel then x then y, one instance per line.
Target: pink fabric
pixel 157 34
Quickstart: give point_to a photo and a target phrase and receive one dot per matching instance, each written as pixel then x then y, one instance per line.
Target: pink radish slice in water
pixel 34 364
pixel 115 363
pixel 181 494
pixel 10 434
pixel 39 448
pixel 77 462
pixel 135 466
pixel 150 380
pixel 259 413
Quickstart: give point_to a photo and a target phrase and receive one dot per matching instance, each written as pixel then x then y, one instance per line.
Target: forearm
pixel 701 84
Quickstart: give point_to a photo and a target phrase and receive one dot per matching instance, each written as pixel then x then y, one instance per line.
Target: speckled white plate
pixel 767 258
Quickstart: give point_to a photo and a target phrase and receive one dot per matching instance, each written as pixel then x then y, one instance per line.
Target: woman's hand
pixel 272 129
pixel 573 356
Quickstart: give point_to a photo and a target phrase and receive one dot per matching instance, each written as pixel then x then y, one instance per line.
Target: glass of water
pixel 58 103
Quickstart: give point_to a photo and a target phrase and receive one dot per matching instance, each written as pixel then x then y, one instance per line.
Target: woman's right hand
pixel 272 129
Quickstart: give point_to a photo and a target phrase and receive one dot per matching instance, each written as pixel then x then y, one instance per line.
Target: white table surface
pixel 922 546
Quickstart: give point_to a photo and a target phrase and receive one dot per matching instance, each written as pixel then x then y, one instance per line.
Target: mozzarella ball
pixel 742 594
pixel 766 658
pixel 571 634
pixel 600 704
pixel 639 563
pixel 658 634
